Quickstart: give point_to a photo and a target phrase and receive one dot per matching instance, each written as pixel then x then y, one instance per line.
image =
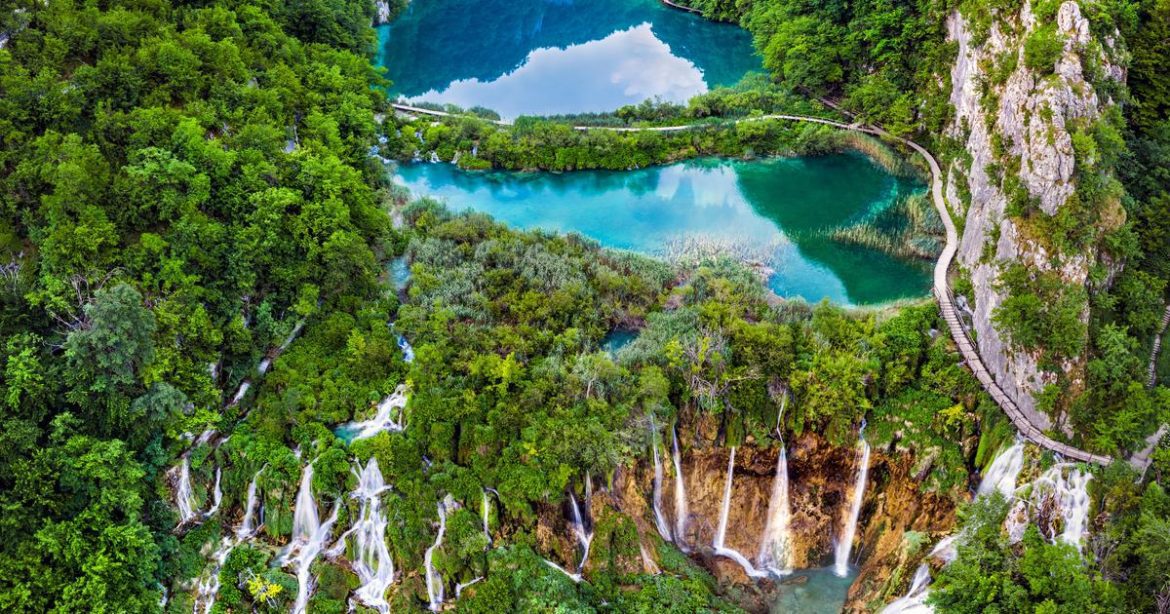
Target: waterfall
pixel 308 537
pixel 462 585
pixel 434 580
pixel 1069 498
pixel 648 564
pixel 584 535
pixel 680 494
pixel 184 497
pixel 208 586
pixel 216 494
pixel 389 416
pixel 721 532
pixel 914 602
pixel 247 527
pixel 1002 473
pixel 915 599
pixel 659 520
pixel 305 518
pixel 371 562
pixel 487 532
pixel 845 543
pixel 407 350
pixel 776 540
pixel 240 393
pixel 576 577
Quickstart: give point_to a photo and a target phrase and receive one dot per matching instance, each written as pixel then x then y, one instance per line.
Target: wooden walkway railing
pixel 942 293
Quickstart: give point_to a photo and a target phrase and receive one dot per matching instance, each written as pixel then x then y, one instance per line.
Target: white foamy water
pixel 434 580
pixel 390 416
pixel 845 543
pixel 681 511
pixel 775 543
pixel 1003 472
pixel 371 561
pixel 184 497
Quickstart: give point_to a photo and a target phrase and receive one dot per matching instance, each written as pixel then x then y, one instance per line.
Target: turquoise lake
pixel 778 211
pixel 548 57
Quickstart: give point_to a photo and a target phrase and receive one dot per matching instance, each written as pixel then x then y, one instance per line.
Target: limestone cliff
pixel 1017 125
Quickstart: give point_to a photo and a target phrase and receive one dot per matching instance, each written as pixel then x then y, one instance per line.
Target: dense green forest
pixel 187 192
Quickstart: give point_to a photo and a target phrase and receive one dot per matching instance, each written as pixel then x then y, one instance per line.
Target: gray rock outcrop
pixel 1024 116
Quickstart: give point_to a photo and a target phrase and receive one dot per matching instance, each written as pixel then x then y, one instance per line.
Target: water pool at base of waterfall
pixel 823 593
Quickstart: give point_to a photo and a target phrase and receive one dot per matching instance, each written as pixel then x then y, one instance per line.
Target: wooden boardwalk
pixel 941 290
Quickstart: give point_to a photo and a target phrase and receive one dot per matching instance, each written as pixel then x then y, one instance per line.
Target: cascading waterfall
pixel 208 586
pixel 915 599
pixel 372 562
pixel 247 527
pixel 576 577
pixel 216 494
pixel 239 396
pixel 184 497
pixel 1001 475
pixel 776 540
pixel 389 416
pixel 659 520
pixel 584 534
pixel 845 543
pixel 1068 492
pixel 305 518
pixel 309 537
pixel 407 350
pixel 434 580
pixel 681 511
pixel 914 602
pixel 721 532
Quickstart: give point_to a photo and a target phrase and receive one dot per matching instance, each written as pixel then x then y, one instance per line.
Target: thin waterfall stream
pixel 845 543
pixel 721 532
pixel 659 519
pixel 433 578
pixel 681 511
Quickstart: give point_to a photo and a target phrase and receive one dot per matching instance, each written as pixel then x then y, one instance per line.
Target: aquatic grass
pixel 910 228
pixel 881 153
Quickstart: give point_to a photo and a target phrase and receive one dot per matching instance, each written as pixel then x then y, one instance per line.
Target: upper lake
pixel 549 57
pixel 779 211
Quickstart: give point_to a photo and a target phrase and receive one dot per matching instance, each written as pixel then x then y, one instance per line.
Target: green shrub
pixel 1042 49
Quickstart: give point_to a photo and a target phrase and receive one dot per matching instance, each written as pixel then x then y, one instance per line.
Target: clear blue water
pixel 824 593
pixel 777 211
pixel 617 340
pixel 548 57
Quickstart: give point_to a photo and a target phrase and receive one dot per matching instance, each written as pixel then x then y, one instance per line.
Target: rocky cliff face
pixel 1006 112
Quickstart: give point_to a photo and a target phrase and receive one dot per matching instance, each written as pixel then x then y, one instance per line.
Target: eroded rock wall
pixel 1025 116
pixel 821 479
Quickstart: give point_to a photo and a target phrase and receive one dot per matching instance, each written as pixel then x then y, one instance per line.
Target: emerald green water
pixel 547 57
pixel 778 211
